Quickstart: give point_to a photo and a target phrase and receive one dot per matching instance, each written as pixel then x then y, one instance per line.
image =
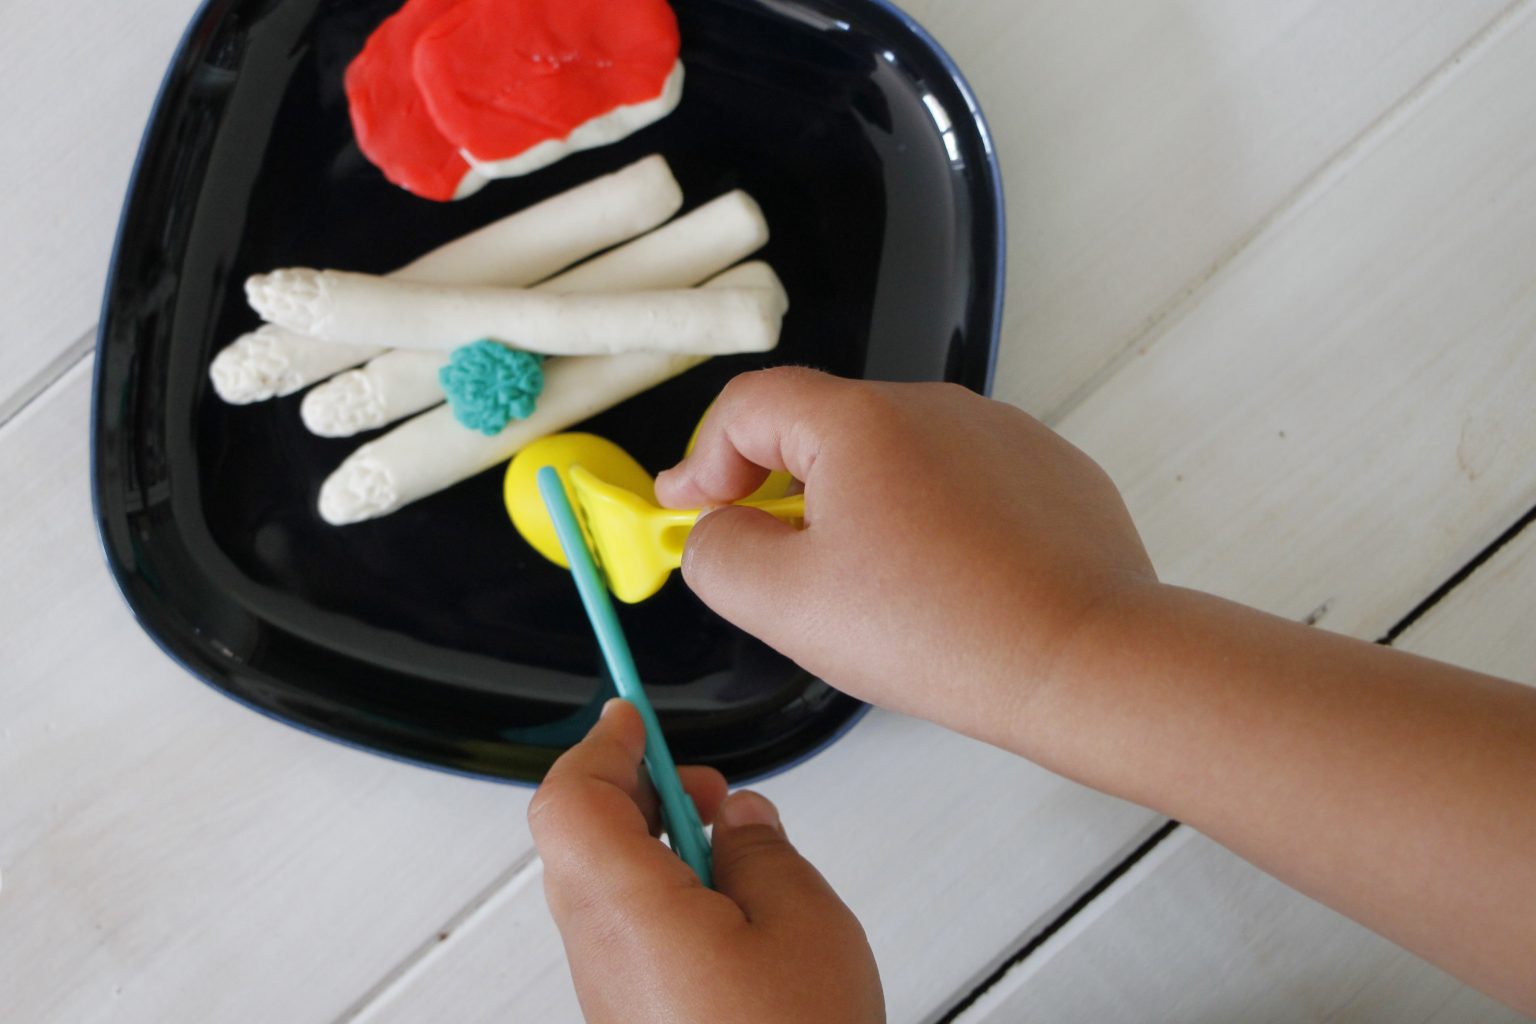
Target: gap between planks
pixel 1163 320
pixel 1058 919
pixel 506 885
pixel 1170 827
pixel 41 382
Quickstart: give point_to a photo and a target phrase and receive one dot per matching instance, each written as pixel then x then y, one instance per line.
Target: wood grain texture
pixel 167 854
pixel 1192 933
pixel 1345 416
pixel 1143 144
pixel 1195 935
pixel 80 80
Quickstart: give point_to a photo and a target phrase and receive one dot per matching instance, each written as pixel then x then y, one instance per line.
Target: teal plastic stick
pixel 678 815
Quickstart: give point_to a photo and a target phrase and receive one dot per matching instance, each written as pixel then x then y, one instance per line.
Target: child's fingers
pixel 742 562
pixel 707 787
pixel 761 421
pixel 589 825
pixel 757 867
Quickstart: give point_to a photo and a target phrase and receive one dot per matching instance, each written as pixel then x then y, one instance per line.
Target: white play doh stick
pixel 273 361
pixel 335 305
pixel 433 451
pixel 551 235
pixel 688 250
pixel 519 249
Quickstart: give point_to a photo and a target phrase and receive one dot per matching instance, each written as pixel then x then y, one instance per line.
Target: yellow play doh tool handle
pixel 520 489
pixel 639 544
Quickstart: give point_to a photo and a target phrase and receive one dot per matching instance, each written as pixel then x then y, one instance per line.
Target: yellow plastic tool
pixel 520 488
pixel 637 543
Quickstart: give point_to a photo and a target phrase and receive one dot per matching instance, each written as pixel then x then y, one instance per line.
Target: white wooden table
pixel 1274 265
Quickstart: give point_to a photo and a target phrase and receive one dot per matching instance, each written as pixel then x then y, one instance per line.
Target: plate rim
pixel 990 190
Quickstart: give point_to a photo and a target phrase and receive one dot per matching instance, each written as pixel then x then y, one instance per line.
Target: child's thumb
pixel 755 865
pixel 742 562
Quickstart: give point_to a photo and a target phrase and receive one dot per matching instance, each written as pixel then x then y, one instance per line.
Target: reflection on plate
pixel 435 634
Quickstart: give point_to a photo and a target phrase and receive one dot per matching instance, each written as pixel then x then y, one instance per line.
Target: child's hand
pixel 647 942
pixel 953 545
pixel 963 563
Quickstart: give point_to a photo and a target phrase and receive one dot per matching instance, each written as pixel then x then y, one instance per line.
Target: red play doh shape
pixel 502 76
pixel 394 128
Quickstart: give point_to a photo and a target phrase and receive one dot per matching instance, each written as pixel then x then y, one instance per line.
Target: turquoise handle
pixel 678 814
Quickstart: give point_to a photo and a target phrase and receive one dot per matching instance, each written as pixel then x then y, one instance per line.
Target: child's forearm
pixel 962 563
pixel 1398 790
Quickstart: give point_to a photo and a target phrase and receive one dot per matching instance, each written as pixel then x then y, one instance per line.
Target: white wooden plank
pixel 80 79
pixel 1485 623
pixel 914 826
pixel 168 855
pixel 1142 144
pixel 1344 418
pixel 1194 933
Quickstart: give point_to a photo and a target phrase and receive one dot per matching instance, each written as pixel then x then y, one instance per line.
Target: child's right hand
pixel 964 564
pixel 953 548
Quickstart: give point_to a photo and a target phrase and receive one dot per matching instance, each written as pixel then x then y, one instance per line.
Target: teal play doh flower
pixel 489 385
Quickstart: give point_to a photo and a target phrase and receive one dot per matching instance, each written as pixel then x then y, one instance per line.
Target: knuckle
pixel 759 844
pixel 553 808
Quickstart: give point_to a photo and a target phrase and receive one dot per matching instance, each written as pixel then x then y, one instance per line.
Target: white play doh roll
pixel 549 236
pixel 335 305
pixel 519 249
pixel 273 361
pixel 433 451
pixel 688 250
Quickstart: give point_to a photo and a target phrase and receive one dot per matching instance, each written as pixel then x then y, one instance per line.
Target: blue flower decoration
pixel 489 385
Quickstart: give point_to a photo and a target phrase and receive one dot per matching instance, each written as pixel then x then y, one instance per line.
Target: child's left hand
pixel 647 941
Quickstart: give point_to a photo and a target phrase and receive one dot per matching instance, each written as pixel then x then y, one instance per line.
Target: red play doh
pixel 516 84
pixel 393 126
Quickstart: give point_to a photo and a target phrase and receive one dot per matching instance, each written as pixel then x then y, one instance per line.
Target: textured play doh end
pixel 346 404
pixel 292 297
pixel 254 368
pixel 362 488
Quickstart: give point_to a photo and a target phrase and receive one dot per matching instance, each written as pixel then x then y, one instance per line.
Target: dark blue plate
pixel 435 634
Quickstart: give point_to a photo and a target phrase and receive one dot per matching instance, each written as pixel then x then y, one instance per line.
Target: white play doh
pixel 387 388
pixel 684 252
pixel 618 123
pixel 272 361
pixel 549 236
pixel 433 451
pixel 519 249
pixel 336 305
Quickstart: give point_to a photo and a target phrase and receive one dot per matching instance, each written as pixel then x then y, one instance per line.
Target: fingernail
pixel 748 808
pixel 609 705
pixel 671 475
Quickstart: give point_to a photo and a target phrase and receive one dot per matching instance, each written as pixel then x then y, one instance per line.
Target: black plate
pixel 435 634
